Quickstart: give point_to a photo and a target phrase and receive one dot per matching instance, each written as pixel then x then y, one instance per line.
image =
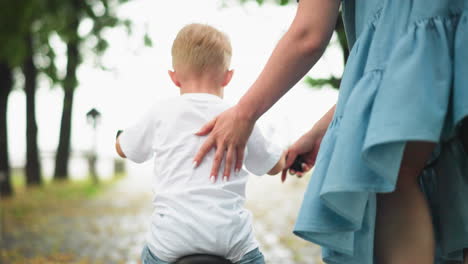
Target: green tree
pixel 35 37
pixel 72 15
pixel 33 29
pixel 25 29
pixel 12 50
pixel 333 81
pixel 6 84
pixel 33 168
pixel 23 35
pixel 73 12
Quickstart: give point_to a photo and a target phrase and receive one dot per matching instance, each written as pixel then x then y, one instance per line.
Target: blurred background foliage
pixel 27 30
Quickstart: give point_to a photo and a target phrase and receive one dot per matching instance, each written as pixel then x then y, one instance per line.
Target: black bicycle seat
pixel 202 259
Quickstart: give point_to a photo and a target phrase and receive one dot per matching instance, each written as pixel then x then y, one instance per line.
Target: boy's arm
pixel 279 165
pixel 119 149
pixel 136 142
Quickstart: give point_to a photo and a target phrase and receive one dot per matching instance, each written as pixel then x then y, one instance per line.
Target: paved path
pixel 112 227
pixel 275 207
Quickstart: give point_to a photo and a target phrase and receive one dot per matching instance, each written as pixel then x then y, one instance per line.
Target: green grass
pixel 67 189
pixel 28 201
pixel 17 179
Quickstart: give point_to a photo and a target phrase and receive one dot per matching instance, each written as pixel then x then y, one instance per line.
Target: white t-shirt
pixel 193 215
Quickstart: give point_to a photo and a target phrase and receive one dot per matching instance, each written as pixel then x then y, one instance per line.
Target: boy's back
pixel 192 214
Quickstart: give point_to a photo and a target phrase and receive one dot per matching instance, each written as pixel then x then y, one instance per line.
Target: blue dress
pixel 406 79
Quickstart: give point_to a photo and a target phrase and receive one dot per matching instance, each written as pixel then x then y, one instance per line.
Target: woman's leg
pixel 404 231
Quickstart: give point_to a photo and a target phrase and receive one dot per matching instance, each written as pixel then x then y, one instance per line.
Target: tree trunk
pixel 63 150
pixel 6 82
pixel 69 85
pixel 33 168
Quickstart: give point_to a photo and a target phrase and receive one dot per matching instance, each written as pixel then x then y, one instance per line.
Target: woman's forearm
pixel 296 53
pixel 284 69
pixel 324 122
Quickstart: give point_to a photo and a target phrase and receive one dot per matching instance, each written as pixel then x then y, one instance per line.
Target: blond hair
pixel 201 47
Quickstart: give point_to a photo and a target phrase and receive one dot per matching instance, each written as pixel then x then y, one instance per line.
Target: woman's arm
pixel 308 146
pixel 298 50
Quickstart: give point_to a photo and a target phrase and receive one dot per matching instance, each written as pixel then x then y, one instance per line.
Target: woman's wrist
pixel 318 128
pixel 247 111
pixel 322 125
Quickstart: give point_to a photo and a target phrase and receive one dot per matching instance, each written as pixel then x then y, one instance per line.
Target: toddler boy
pixel 196 214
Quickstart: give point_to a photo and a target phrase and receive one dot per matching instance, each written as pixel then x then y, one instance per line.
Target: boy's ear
pixel 227 77
pixel 174 79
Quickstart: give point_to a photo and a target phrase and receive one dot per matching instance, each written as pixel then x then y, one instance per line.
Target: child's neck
pixel 201 86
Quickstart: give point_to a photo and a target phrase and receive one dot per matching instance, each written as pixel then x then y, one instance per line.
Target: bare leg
pixel 404 231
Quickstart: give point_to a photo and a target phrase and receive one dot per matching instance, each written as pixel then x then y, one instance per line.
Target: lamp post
pixel 94 118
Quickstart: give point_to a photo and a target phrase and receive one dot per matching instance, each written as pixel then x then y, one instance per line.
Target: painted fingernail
pixel 194 164
pixel 212 179
pixel 225 178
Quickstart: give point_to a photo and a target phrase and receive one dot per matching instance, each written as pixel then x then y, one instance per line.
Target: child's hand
pixel 280 165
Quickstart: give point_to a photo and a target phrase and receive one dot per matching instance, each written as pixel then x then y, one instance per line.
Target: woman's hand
pixel 307 146
pixel 309 34
pixel 228 133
